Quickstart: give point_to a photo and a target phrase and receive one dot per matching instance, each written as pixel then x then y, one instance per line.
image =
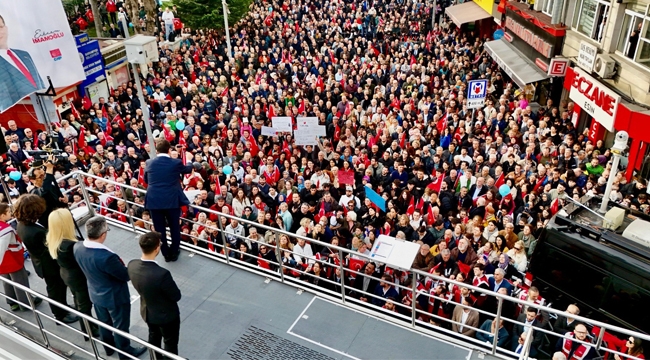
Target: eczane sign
pixel 595 98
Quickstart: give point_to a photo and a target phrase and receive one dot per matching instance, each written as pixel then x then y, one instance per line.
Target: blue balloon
pixel 498 34
pixel 504 190
pixel 227 169
pixel 15 175
pixel 180 125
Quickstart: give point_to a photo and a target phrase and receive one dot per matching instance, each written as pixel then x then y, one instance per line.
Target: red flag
pixel 402 140
pixel 120 122
pixel 374 50
pixel 419 205
pixel 217 189
pixel 321 212
pixel 211 163
pixel 320 83
pixel 554 206
pixel 332 58
pixel 464 268
pixel 337 132
pixel 342 82
pixel 355 265
pixel 167 133
pixel 254 149
pixel 81 142
pixel 442 124
pixel 168 97
pixel 224 92
pixel 301 107
pixel 539 183
pixel 500 181
pixel 141 180
pixel 271 113
pixel 413 60
pixel 74 111
pixel 285 148
pixel 436 184
pixel 411 208
pixel 183 144
pixel 430 217
pixel 104 112
pixel 86 102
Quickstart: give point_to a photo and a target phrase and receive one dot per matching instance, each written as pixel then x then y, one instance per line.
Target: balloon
pixel 15 175
pixel 227 169
pixel 180 125
pixel 498 34
pixel 130 25
pixel 156 133
pixel 504 190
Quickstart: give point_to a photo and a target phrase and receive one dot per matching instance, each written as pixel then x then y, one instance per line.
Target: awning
pixel 466 12
pixel 521 70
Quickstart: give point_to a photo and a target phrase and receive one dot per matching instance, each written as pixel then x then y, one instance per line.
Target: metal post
pixel 225 20
pixel 152 354
pixel 143 105
pixel 342 276
pixel 601 334
pixel 413 299
pixel 610 183
pixel 128 210
pixel 82 185
pixel 5 190
pixel 278 258
pixel 496 327
pixel 90 336
pixel 223 238
pixel 38 319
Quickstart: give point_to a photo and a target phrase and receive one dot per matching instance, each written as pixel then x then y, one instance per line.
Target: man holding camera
pixel 45 186
pixel 165 196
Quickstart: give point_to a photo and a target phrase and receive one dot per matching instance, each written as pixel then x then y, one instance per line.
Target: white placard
pixel 318 130
pixel 393 252
pixel 282 124
pixel 306 122
pixel 268 131
pixel 42 41
pixel 587 56
pixel 305 139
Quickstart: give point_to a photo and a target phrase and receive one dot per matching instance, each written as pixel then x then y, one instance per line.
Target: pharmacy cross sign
pixel 476 94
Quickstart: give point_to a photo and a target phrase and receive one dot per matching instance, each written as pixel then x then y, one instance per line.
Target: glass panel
pixel 623 300
pixel 587 16
pixel 646 29
pixel 625 34
pixel 643 54
pixel 601 21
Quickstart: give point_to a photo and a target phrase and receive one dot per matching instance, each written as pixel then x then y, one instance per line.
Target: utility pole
pixel 225 20
pixel 143 105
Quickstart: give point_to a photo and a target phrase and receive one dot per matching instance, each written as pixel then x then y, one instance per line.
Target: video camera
pixel 43 154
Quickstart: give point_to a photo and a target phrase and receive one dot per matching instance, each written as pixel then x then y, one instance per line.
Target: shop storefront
pixel 474 15
pixel 605 112
pixel 524 53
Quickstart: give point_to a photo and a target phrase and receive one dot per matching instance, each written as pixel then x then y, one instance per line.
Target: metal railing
pixel 216 240
pixel 48 336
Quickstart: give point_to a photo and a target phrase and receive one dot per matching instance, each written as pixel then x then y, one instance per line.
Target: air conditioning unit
pixel 604 66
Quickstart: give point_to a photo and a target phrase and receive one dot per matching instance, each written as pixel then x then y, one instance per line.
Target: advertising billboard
pixel 35 44
pixel 92 61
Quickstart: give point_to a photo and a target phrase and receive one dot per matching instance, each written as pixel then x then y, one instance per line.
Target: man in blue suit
pixel 165 196
pixel 19 76
pixel 497 281
pixel 107 279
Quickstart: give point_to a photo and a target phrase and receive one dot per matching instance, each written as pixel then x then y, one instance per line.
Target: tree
pixel 132 8
pixel 97 16
pixel 208 14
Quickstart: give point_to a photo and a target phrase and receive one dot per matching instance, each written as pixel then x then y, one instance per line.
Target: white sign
pixel 268 131
pixel 42 44
pixel 305 139
pixel 282 124
pixel 587 56
pixel 475 104
pixel 97 90
pixel 595 98
pixel 306 122
pixel 393 252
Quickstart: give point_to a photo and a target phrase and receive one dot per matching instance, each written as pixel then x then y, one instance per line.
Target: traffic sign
pixel 476 103
pixel 477 89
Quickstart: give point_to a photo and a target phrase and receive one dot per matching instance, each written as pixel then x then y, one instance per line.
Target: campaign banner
pixel 35 42
pixel 92 62
pixel 268 131
pixel 305 122
pixel 282 123
pixel 346 177
pixel 304 139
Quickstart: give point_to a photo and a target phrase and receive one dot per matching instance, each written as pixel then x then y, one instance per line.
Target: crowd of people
pixel 387 79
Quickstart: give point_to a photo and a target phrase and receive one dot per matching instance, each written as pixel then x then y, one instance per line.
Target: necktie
pixel 21 67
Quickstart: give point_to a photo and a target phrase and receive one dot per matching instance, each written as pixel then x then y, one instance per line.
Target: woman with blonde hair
pixel 60 241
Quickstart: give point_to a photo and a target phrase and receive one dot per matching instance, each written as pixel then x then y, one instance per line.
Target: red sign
pixel 541 64
pixel 558 67
pixel 346 177
pixel 596 131
pixel 531 39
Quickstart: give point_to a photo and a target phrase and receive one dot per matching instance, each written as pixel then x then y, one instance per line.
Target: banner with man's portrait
pixel 35 42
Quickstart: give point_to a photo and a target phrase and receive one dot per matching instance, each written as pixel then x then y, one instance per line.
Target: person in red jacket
pixel 111 7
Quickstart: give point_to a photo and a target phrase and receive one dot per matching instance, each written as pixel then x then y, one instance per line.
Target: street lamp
pixel 620 145
pixel 225 20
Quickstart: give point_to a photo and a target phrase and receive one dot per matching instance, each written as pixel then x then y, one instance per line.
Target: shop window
pixel 547 8
pixel 634 38
pixel 590 18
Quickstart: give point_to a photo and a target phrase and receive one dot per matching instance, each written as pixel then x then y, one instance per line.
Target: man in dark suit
pixel 524 322
pixel 159 294
pixel 365 284
pixel 19 76
pixel 165 196
pixel 497 281
pixel 107 285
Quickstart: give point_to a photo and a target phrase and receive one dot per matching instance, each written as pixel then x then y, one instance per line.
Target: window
pixel 590 18
pixel 634 38
pixel 548 7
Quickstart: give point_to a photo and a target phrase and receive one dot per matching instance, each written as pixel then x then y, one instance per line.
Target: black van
pixel 606 273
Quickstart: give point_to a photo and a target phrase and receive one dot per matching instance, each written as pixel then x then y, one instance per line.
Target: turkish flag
pixel 141 180
pixel 500 181
pixel 554 206
pixel 86 103
pixel 411 208
pixel 539 183
pixel 430 217
pixel 436 184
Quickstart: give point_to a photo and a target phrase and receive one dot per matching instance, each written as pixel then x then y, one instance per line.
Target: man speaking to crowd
pixel 165 196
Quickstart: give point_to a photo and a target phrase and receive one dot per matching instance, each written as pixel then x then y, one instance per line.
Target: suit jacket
pixel 472 320
pixel 358 286
pixel 71 273
pixel 163 176
pixel 518 329
pixel 33 236
pixel 504 284
pixel 159 294
pixel 14 86
pixel 106 274
pixel 472 190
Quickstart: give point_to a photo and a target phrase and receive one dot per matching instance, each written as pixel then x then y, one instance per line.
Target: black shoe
pixel 137 351
pixel 109 352
pixel 167 259
pixel 174 257
pixel 69 319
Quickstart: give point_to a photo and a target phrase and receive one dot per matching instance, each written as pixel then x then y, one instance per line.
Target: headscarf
pixel 505 263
